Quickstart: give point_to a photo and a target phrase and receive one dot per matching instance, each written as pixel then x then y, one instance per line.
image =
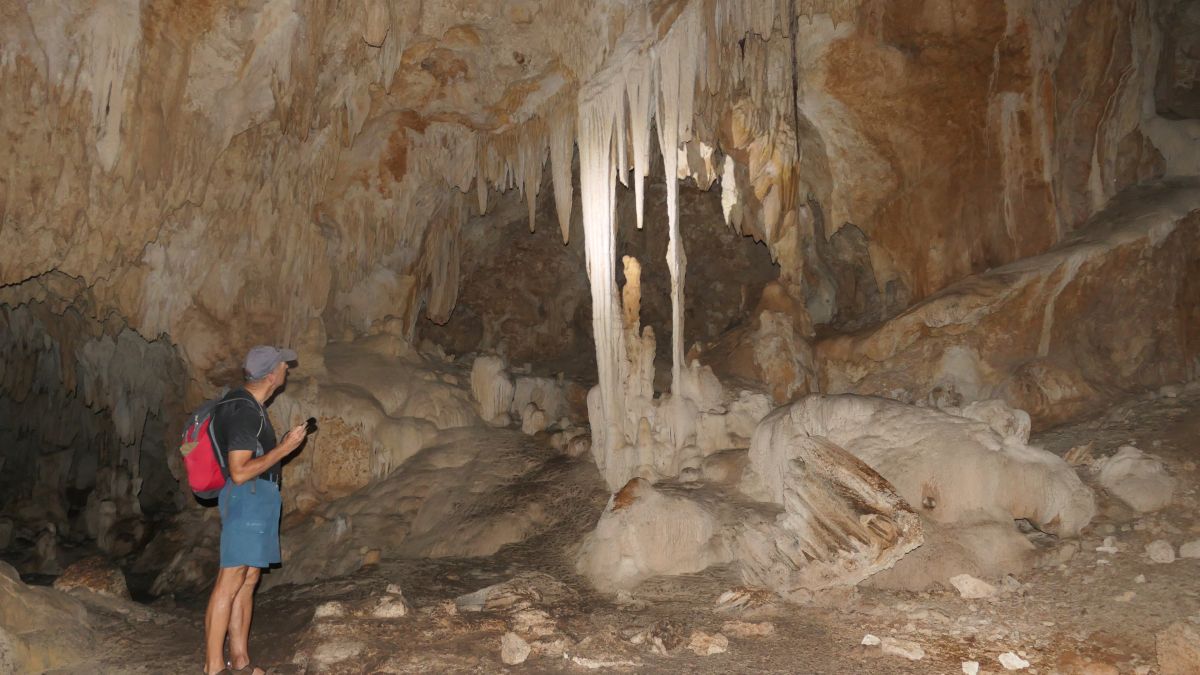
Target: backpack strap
pixel 262 416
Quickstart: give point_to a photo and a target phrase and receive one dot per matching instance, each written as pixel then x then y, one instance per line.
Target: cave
pixel 838 336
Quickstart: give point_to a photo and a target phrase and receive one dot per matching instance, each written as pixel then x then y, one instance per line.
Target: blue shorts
pixel 250 523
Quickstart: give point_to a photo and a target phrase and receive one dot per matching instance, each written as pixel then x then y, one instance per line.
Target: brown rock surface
pixel 1110 310
pixel 40 629
pixel 96 574
pixel 1178 649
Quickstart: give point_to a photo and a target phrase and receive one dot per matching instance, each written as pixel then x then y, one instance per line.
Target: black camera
pixel 310 426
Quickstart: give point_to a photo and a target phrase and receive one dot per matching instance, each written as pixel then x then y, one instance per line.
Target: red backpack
pixel 205 465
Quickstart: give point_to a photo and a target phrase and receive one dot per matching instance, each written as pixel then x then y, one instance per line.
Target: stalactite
pixel 562 142
pixel 598 110
pixel 676 61
pixel 639 85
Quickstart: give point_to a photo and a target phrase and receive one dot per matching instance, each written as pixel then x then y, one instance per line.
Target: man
pixel 249 505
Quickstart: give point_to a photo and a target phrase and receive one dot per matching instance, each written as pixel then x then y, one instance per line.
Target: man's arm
pixel 244 466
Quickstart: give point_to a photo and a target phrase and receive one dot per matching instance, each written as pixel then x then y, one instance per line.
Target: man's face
pixel 280 374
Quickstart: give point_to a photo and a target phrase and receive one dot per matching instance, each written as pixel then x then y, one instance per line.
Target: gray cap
pixel 262 360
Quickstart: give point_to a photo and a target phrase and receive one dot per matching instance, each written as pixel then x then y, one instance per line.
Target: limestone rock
pixel 1160 551
pixel 96 574
pixel 841 521
pixel 949 467
pixel 513 649
pixel 40 629
pixel 519 593
pixel 1190 549
pixel 1178 648
pixel 463 495
pixel 542 393
pixel 1138 479
pixel 965 342
pixel 392 605
pixel 332 609
pixel 953 470
pixel 492 388
pixel 533 419
pixel 971 588
pixel 704 644
pixel 902 648
pixel 646 532
pixel 1011 661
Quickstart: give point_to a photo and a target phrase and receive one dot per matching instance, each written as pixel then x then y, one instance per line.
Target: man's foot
pixel 248 669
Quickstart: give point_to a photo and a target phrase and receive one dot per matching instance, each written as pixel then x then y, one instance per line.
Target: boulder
pixel 1138 479
pixel 950 468
pixel 96 574
pixel 40 628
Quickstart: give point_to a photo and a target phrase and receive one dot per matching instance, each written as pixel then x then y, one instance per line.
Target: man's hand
pixel 243 466
pixel 294 437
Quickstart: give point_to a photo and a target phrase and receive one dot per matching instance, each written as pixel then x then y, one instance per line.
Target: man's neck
pixel 260 392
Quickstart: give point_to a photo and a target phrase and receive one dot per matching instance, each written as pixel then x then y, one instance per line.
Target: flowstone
pixel 837 489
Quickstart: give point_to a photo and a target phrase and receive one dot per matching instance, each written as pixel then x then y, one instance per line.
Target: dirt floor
pixel 1094 612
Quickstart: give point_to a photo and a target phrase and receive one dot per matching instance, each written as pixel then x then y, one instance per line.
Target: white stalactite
pixel 597 115
pixel 562 137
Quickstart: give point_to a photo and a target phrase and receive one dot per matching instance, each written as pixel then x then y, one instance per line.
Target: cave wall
pixel 184 180
pixel 958 136
pixel 86 443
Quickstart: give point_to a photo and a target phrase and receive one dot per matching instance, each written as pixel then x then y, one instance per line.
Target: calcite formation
pixel 934 181
pixel 839 489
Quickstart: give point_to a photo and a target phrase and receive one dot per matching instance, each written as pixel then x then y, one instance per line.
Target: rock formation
pixel 806 276
pixel 840 488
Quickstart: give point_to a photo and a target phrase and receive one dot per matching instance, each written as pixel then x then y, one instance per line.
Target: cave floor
pixel 1093 613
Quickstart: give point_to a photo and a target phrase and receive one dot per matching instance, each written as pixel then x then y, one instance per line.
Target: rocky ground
pixel 1096 606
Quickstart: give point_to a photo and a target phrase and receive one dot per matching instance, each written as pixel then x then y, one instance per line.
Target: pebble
pixel 1139 579
pixel 513 649
pixel 1161 551
pixel 971 588
pixel 1190 550
pixel 970 667
pixel 1011 661
pixel 870 640
pixel 330 610
pixel 703 644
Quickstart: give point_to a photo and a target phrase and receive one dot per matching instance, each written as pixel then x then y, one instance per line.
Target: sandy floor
pixel 1094 613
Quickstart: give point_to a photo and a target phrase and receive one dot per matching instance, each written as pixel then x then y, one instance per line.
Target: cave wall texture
pixel 185 179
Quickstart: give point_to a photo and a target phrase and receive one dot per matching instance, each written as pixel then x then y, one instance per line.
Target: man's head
pixel 267 366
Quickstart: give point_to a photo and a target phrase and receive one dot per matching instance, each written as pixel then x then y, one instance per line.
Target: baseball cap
pixel 261 360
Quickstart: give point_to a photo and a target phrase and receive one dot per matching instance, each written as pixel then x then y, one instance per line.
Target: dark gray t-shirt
pixel 237 423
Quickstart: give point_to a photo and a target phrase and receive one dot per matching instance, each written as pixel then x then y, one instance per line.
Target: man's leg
pixel 239 620
pixel 216 620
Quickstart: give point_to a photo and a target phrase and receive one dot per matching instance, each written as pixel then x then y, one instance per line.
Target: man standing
pixel 249 505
